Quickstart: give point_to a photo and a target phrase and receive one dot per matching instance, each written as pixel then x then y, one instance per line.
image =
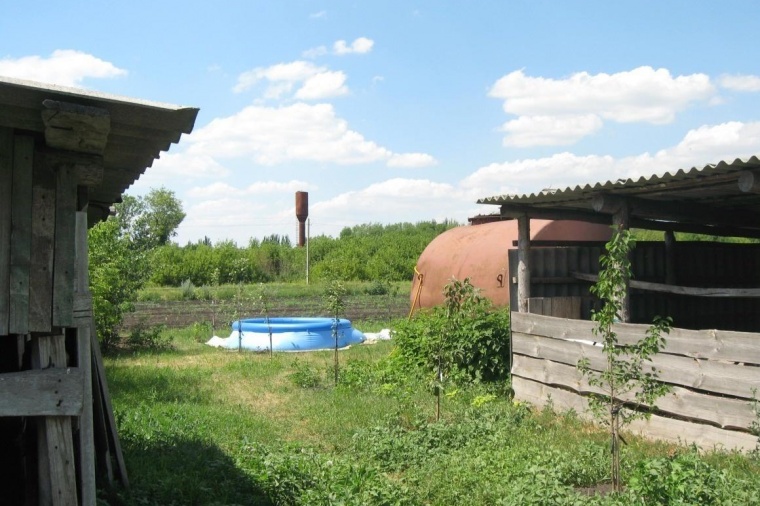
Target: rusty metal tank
pixel 479 252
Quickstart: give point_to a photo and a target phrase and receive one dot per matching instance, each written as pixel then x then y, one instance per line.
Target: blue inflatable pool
pixel 291 334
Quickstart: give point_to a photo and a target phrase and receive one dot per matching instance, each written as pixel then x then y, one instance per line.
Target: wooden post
pixel 670 258
pixel 83 319
pixel 55 446
pixel 621 221
pixel 523 263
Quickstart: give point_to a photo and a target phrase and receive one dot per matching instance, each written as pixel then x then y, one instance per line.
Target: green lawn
pixel 201 426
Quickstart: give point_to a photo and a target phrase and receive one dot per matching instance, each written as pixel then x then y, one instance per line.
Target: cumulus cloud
pixel 527 131
pixel 310 81
pixel 740 82
pixel 700 146
pixel 298 132
pixel 361 45
pixel 580 103
pixel 64 67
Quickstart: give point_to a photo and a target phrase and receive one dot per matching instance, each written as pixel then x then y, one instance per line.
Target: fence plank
pixel 656 427
pixel 723 411
pixel 709 375
pixel 21 234
pixel 6 181
pixel 45 392
pixel 731 346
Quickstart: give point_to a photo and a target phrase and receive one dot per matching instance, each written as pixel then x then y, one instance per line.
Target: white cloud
pixel 706 144
pixel 318 15
pixel 315 52
pixel 412 160
pixel 740 82
pixel 64 67
pixel 310 81
pixel 527 131
pixel 640 95
pixel 361 45
pixel 298 132
pixel 272 135
pixel 323 85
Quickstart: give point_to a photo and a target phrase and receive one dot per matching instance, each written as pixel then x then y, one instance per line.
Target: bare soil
pixel 178 314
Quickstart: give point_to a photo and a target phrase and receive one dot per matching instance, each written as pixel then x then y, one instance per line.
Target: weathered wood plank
pixel 6 189
pixel 41 392
pixel 113 434
pixel 21 233
pixel 730 346
pixel 709 375
pixel 43 236
pixel 65 229
pixel 680 290
pixel 684 403
pixel 76 127
pixel 55 445
pixel 656 427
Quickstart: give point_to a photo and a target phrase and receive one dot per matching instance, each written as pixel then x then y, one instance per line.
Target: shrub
pixel 475 343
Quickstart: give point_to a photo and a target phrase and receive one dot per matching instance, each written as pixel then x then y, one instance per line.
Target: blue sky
pixel 388 111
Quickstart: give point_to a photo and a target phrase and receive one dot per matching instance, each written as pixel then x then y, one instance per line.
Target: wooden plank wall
pixel 6 180
pixel 713 374
pixel 697 264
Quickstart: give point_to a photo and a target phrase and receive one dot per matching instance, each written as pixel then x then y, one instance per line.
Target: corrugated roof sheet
pixel 709 195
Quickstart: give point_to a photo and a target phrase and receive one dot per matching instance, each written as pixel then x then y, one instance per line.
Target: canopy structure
pixel 116 137
pixel 721 199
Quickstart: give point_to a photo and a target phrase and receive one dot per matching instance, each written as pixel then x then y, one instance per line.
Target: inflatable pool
pixel 289 334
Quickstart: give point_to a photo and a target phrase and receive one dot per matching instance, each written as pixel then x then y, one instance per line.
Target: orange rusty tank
pixel 479 252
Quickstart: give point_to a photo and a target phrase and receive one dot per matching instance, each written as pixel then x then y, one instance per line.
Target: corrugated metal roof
pixel 139 130
pixel 708 196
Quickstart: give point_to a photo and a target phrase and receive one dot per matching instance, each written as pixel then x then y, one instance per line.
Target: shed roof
pixel 139 130
pixel 721 199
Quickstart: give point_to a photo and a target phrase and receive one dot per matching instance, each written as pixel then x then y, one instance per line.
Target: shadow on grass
pixel 184 472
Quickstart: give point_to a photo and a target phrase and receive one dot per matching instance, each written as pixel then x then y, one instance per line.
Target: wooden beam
pixel 684 212
pixel 87 168
pixel 6 190
pixel 76 127
pixel 512 211
pixel 523 265
pixel 680 290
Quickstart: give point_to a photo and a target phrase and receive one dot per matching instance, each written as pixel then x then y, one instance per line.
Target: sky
pixel 389 111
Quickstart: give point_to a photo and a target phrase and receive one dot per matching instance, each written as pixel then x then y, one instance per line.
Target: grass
pixel 201 426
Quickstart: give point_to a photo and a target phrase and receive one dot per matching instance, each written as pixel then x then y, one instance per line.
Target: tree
pixel 152 220
pixel 120 248
pixel 627 382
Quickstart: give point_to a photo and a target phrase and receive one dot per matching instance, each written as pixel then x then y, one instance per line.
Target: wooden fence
pixel 713 374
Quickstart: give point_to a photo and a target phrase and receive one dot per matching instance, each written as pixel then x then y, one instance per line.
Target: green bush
pixel 474 338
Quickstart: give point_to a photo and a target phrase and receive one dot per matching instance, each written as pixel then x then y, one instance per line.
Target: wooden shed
pixel 66 156
pixel 710 289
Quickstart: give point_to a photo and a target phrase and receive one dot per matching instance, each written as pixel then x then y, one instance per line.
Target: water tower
pixel 302 212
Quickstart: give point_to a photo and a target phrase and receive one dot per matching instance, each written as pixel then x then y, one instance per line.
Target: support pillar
pixel 523 263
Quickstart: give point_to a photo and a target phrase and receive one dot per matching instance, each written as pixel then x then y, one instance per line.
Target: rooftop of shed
pixel 720 199
pixel 123 135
